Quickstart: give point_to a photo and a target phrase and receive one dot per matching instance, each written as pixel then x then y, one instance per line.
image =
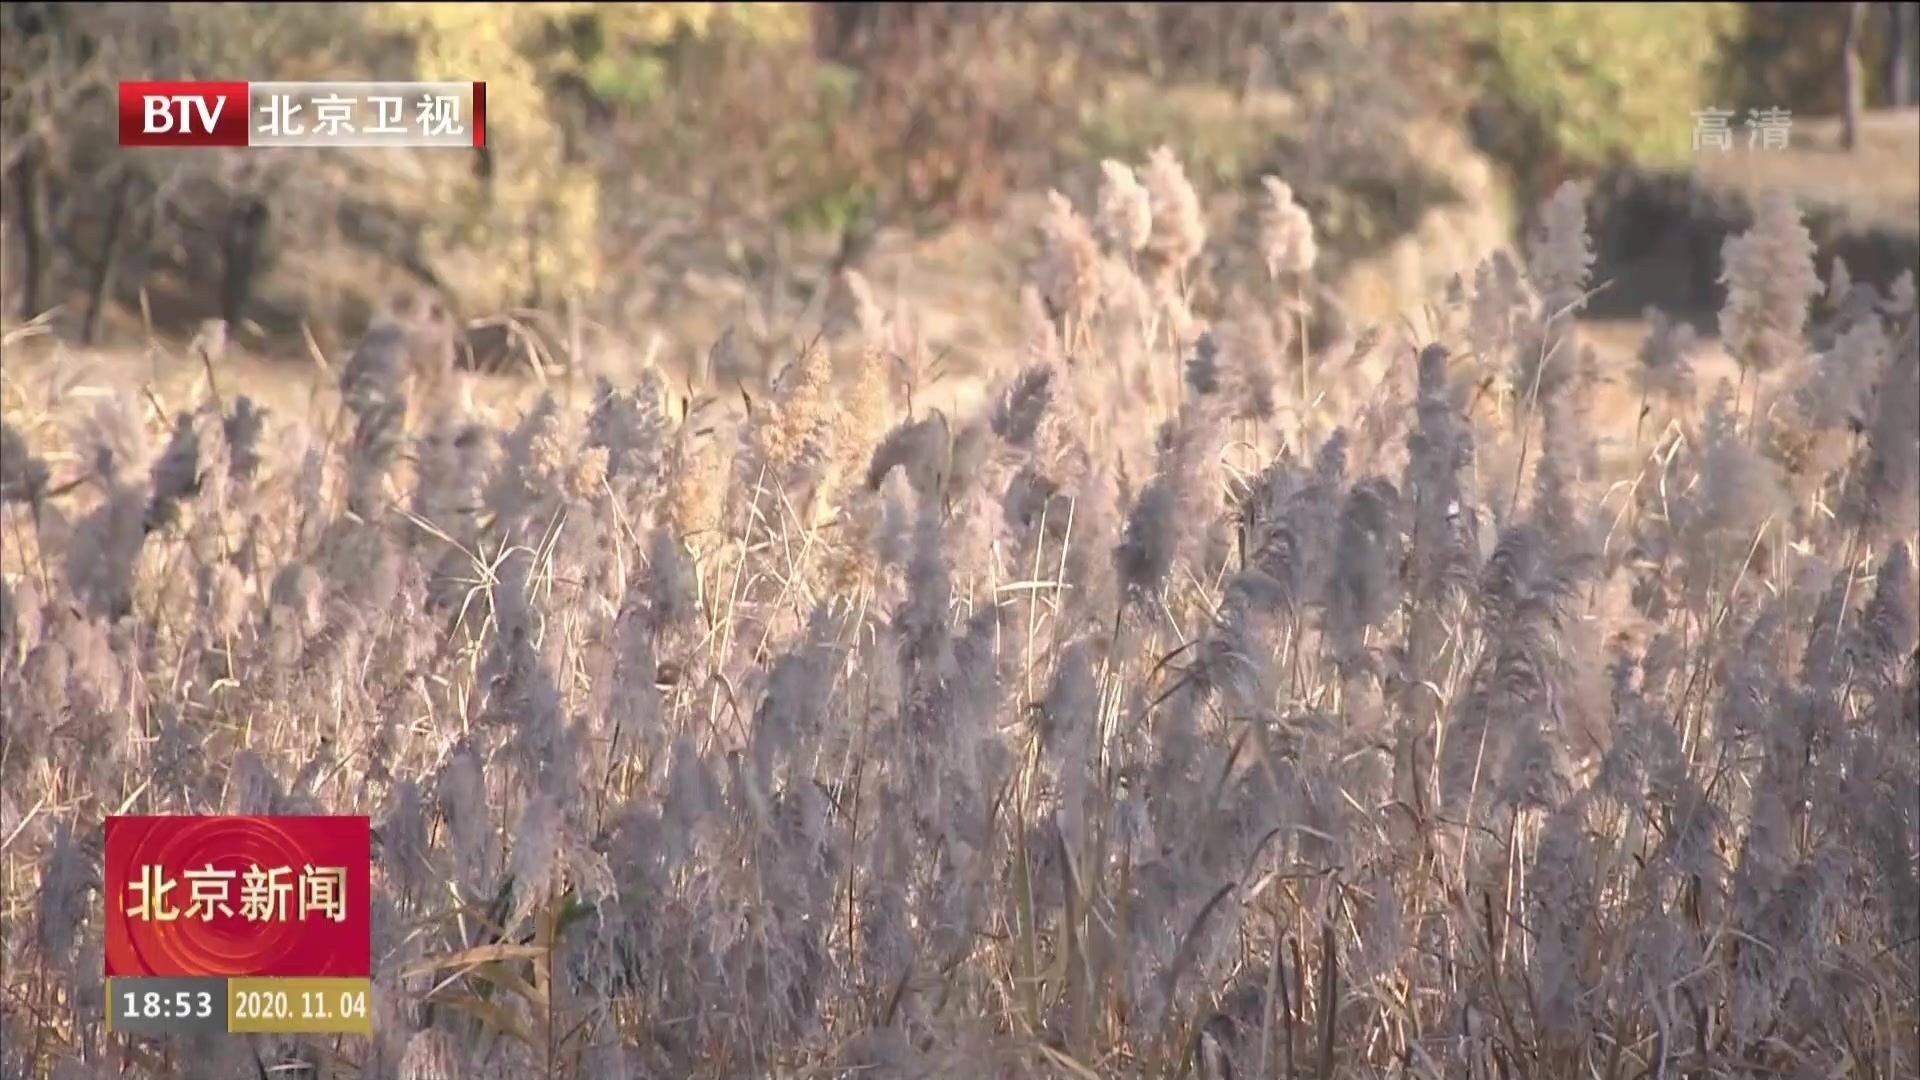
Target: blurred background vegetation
pixel 646 160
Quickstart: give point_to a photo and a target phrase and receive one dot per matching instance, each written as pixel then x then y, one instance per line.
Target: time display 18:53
pixel 166 1006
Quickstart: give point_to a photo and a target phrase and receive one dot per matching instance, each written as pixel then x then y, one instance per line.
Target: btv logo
pixel 183 114
pixel 160 112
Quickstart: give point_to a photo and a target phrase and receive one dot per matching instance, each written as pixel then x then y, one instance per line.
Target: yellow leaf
pixel 474 957
pixel 488 1013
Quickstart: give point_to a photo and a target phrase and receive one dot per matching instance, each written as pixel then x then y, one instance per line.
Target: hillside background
pixel 659 173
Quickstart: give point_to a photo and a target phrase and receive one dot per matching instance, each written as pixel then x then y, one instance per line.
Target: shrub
pixel 1591 84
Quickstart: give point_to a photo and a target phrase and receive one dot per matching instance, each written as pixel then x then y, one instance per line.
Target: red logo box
pixel 183 114
pixel 232 897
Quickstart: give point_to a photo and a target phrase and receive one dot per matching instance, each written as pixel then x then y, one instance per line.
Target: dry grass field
pixel 1481 693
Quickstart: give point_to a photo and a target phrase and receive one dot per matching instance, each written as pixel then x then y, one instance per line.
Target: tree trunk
pixel 1850 76
pixel 109 255
pixel 246 233
pixel 30 217
pixel 1903 55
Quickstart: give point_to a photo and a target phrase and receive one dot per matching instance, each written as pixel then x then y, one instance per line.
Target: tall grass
pixel 1153 717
